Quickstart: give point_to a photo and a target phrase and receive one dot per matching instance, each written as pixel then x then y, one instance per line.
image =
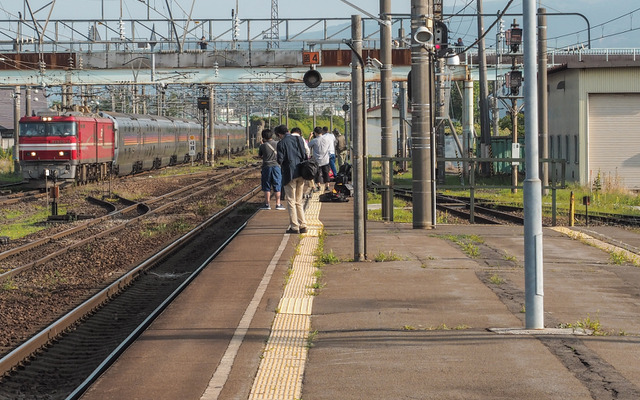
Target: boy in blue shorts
pixel 271 174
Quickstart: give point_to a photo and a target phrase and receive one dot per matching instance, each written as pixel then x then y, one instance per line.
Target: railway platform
pixel 438 316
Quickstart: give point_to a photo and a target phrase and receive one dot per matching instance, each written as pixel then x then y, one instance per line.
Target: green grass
pixel 385 257
pixel 402 211
pixel 468 243
pixel 20 226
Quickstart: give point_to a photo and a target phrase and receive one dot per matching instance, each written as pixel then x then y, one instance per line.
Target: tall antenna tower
pixel 274 32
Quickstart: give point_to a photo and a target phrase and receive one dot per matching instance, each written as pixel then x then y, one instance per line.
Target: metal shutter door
pixel 614 138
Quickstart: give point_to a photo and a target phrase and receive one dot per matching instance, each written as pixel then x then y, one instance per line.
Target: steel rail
pixel 146 210
pixel 45 336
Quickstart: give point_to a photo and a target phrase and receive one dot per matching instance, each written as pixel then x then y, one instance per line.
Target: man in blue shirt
pixel 290 154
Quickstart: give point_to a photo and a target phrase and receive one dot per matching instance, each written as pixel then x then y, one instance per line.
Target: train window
pixel 48 129
pixel 32 129
pixel 62 129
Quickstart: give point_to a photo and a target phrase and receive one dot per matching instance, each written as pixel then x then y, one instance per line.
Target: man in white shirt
pixel 320 146
pixel 332 150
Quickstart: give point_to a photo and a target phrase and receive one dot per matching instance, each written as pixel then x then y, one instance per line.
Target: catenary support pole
pixel 485 126
pixel 357 129
pixel 543 97
pixel 534 294
pixel 421 119
pixel 467 121
pixel 386 122
pixel 212 124
pixel 16 130
pixel 402 103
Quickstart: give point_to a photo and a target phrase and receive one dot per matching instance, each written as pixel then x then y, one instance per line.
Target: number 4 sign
pixel 310 57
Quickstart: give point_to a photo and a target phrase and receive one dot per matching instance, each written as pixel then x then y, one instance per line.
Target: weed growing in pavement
pixel 288 274
pixel 315 288
pixel 509 257
pixel 311 337
pixel 622 257
pixel 466 242
pixel 390 256
pixel 587 324
pixel 326 258
pixel 408 328
pixel 496 280
pixel 523 309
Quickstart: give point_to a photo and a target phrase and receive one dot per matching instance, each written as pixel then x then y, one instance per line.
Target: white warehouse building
pixel 594 120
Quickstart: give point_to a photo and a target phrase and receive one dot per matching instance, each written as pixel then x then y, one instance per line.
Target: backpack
pixel 345 170
pixel 332 197
pixel 308 169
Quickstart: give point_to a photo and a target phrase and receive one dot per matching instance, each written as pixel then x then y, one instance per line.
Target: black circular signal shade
pixel 312 78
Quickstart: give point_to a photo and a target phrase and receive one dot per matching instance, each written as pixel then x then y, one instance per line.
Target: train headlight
pixel 33 154
pixel 61 153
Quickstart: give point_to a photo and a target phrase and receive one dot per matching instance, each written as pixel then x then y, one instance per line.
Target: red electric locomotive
pixel 71 146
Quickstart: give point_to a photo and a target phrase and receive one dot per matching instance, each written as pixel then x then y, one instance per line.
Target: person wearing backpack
pixel 290 154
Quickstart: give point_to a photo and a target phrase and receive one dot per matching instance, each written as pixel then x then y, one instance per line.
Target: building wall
pixel 569 111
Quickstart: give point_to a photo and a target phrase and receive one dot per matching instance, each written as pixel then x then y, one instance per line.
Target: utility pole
pixel 485 128
pixel 422 153
pixel 386 121
pixel 212 123
pixel 533 280
pixel 16 130
pixel 440 146
pixel 358 132
pixel 543 101
pixel 402 102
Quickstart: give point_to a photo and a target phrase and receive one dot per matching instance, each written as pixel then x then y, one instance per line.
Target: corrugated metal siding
pixel 30 61
pixel 614 137
pixel 342 58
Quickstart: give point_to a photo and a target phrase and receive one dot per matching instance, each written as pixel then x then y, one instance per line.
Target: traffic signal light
pixel 441 39
pixel 515 81
pixel 515 39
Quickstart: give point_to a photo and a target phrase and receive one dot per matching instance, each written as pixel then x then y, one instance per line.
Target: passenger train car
pixel 83 147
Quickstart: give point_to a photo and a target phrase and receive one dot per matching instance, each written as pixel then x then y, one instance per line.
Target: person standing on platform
pixel 341 148
pixel 332 150
pixel 291 153
pixel 319 146
pixel 308 185
pixel 271 174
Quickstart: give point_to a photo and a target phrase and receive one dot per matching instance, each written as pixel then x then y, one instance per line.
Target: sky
pixel 614 23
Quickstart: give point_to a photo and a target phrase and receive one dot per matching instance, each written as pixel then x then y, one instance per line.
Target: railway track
pixel 20 259
pixel 82 343
pixel 462 209
pixel 13 198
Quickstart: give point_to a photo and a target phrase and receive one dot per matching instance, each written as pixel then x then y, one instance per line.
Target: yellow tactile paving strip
pixel 282 367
